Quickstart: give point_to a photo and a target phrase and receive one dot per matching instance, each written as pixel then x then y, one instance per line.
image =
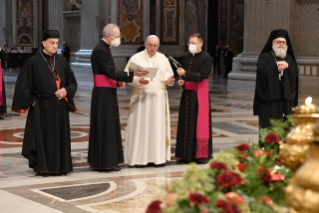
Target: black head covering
pixel 279 34
pixel 50 34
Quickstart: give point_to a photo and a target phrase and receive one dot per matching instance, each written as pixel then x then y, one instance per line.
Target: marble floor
pixel 129 190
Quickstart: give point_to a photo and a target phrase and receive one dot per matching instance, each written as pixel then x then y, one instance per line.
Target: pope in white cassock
pixel 148 138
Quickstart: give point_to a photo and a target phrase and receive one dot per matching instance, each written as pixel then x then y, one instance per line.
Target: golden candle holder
pixel 294 152
pixel 302 192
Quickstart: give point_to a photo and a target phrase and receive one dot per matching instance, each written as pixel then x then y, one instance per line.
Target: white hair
pixel 153 36
pixel 280 52
pixel 109 29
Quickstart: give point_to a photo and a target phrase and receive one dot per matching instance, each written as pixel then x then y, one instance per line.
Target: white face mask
pixel 192 48
pixel 116 42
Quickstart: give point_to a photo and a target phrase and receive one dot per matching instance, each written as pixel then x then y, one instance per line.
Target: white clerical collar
pixel 198 52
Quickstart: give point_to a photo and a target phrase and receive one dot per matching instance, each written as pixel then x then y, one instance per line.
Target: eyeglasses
pixel 280 42
pixel 54 43
pixel 152 45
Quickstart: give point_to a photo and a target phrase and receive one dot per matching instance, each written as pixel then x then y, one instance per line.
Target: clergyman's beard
pixel 280 52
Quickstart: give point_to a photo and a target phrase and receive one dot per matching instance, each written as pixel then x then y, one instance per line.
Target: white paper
pixel 151 70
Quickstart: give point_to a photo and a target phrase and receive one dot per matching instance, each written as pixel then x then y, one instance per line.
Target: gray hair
pixel 109 29
pixel 153 36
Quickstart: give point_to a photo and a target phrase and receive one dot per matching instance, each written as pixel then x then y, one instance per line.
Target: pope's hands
pixel 181 83
pixel 180 71
pixel 144 81
pixel 61 93
pixel 171 80
pixel 139 73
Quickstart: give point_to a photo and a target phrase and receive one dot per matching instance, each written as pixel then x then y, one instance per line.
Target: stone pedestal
pixel 299 18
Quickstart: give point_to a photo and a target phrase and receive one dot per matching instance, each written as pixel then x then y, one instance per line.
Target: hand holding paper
pixel 142 71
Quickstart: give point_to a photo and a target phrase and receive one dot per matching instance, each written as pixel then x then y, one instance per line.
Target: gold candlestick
pixel 294 152
pixel 302 193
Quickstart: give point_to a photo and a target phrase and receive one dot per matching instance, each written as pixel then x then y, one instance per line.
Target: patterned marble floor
pixel 129 190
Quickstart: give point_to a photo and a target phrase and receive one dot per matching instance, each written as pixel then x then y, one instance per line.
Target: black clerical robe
pixel 198 68
pixel 3 106
pixel 46 142
pixel 105 143
pixel 274 98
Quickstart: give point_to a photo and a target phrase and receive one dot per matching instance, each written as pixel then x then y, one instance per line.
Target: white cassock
pixel 148 135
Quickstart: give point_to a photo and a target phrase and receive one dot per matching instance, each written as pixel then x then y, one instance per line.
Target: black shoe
pixel 62 174
pixel 114 169
pixel 139 166
pixel 201 161
pixel 182 161
pixel 1 118
pixel 160 165
pixel 44 174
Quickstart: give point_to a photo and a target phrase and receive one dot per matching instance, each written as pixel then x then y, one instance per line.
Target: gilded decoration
pixel 170 21
pixel 130 21
pixel 25 22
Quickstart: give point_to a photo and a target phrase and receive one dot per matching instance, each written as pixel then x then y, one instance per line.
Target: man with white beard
pixel 276 89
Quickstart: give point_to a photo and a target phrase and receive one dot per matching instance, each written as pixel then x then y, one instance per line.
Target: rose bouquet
pixel 246 179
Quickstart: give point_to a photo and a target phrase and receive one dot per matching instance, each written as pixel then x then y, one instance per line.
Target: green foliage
pixel 203 181
pixel 261 207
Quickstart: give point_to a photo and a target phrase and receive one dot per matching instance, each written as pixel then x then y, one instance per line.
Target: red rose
pixel 265 199
pixel 229 179
pixel 242 147
pixel 218 165
pixel 277 177
pixel 242 166
pixel 243 156
pixel 196 198
pixel 264 174
pixel 278 161
pixel 226 207
pixel 168 199
pixel 154 207
pixel 257 153
pixel 272 138
pixel 234 198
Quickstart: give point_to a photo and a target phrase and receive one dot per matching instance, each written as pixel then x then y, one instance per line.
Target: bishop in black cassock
pixel 276 80
pixel 46 86
pixel 105 143
pixel 194 137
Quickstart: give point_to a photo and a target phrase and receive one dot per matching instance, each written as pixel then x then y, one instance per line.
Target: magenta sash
pixel 202 131
pixel 104 81
pixel 1 98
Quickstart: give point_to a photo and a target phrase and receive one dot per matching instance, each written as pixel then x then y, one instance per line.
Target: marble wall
pixel 2 23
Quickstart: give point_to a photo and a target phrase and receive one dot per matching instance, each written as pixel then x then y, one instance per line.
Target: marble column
pixel 14 22
pixel 89 36
pixel 56 19
pixel 260 18
pixel 2 22
pixel 35 22
pixel 89 31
